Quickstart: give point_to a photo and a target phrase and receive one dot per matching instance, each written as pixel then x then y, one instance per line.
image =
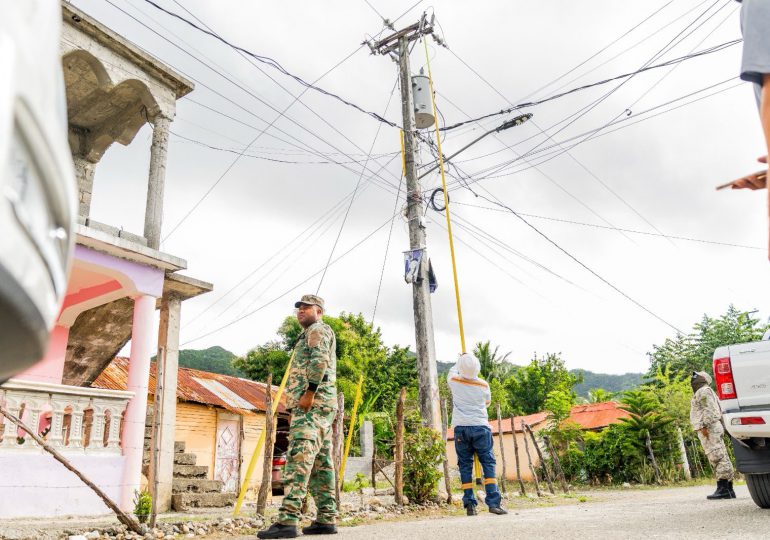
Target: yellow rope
pixel 261 440
pixel 446 204
pixel 356 403
pixel 403 154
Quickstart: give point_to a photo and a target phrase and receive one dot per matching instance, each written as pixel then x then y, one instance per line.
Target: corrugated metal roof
pixel 242 396
pixel 588 417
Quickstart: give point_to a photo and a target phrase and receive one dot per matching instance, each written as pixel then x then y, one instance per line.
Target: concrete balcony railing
pixel 70 418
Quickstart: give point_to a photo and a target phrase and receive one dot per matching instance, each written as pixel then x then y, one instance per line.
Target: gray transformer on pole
pixel 423 108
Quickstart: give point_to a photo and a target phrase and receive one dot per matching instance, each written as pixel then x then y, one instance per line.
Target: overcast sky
pixel 523 294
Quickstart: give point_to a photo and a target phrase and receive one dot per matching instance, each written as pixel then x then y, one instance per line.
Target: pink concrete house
pixel 117 282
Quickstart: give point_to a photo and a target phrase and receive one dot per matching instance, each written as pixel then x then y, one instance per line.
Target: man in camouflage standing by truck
pixel 311 395
pixel 706 419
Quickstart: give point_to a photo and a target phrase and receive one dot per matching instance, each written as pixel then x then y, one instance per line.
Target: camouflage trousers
pixel 714 446
pixel 309 466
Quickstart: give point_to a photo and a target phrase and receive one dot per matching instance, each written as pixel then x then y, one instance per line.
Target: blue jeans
pixel 477 440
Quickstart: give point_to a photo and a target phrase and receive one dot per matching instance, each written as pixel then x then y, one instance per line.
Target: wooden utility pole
pixel 398 44
pixel 502 449
pixel 516 455
pixel 546 470
pixel 157 420
pixel 399 450
pixel 267 463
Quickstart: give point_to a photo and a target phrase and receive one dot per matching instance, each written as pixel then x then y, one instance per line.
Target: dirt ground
pixel 682 513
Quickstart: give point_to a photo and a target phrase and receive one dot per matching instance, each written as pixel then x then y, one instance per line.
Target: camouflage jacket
pixel 704 408
pixel 315 361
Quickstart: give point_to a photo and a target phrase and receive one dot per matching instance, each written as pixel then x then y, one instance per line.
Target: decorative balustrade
pixel 70 418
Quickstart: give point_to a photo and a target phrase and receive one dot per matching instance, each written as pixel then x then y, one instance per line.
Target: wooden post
pixel 655 467
pixel 502 449
pixel 374 468
pixel 683 455
pixel 337 428
pixel 546 470
pixel 447 480
pixel 516 455
pixel 529 460
pixel 157 412
pixel 124 518
pixel 267 465
pixel 557 464
pixel 399 450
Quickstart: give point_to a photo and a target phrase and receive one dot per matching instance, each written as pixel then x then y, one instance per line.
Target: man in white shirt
pixel 470 398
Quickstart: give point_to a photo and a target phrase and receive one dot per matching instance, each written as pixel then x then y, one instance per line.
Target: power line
pixel 273 63
pixel 358 183
pixel 387 248
pixel 597 226
pixel 710 50
pixel 494 200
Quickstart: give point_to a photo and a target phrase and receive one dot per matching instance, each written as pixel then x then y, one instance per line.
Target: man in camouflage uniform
pixel 311 396
pixel 706 419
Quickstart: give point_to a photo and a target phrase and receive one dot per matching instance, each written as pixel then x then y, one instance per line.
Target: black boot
pixel 320 528
pixel 730 489
pixel 470 510
pixel 499 510
pixel 722 491
pixel 278 530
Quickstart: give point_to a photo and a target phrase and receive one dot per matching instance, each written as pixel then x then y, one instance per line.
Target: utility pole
pixel 397 45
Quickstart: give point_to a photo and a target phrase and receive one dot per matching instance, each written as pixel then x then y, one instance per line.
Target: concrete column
pixel 138 380
pixel 153 215
pixel 165 409
pixel 84 171
pixel 367 439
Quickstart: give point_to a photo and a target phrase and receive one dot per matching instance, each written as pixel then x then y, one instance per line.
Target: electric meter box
pixel 423 108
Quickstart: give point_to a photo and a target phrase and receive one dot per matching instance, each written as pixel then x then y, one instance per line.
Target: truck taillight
pixel 748 421
pixel 723 374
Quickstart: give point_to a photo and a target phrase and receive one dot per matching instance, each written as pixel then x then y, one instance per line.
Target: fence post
pixel 399 450
pixel 516 455
pixel 683 453
pixel 529 459
pixel 546 470
pixel 337 429
pixel 557 464
pixel 447 480
pixel 655 467
pixel 502 449
pixel 267 464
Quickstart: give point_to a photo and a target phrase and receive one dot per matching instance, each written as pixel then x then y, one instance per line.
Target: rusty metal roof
pixel 242 396
pixel 589 417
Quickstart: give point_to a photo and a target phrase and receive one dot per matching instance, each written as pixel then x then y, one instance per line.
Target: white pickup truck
pixel 742 378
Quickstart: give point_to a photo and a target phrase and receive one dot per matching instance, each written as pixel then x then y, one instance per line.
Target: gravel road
pixel 680 513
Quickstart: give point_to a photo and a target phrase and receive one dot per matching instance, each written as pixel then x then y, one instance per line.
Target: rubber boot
pixel 320 528
pixel 722 491
pixel 730 489
pixel 278 530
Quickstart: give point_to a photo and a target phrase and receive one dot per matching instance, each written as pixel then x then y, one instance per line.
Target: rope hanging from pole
pixel 446 204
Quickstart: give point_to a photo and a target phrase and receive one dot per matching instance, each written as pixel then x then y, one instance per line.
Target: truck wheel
pixel 759 488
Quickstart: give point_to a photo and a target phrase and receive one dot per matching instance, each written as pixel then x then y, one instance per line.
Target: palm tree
pixel 599 395
pixel 492 366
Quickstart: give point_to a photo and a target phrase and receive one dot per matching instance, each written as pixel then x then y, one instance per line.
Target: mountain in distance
pixel 214 360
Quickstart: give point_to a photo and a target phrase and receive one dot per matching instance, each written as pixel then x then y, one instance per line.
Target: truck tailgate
pixel 751 373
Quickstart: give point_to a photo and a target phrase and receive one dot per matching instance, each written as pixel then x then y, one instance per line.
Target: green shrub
pixel 423 454
pixel 142 505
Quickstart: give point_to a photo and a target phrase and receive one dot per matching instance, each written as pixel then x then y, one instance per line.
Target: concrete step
pixel 179 447
pixel 196 485
pixel 190 471
pixel 184 501
pixel 185 459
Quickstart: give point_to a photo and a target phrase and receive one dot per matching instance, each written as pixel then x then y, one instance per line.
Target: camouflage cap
pixel 311 300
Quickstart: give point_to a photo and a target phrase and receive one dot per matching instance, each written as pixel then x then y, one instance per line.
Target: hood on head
pixel 699 379
pixel 468 366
